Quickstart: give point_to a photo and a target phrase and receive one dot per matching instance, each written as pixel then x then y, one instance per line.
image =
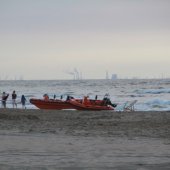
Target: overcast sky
pixel 47 39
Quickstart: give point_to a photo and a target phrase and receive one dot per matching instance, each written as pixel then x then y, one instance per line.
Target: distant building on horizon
pixel 114 76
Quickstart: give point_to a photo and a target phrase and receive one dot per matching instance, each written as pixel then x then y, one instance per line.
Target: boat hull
pixel 92 107
pixel 95 105
pixel 51 104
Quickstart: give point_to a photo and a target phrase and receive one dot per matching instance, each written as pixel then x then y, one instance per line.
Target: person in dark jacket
pixel 14 96
pixel 23 101
pixel 4 98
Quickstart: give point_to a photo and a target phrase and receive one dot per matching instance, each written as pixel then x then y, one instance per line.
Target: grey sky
pixel 44 39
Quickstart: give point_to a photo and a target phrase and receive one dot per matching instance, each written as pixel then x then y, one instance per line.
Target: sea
pixel 151 94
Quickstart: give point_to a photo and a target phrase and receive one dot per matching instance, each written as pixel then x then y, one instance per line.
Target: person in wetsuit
pixel 107 101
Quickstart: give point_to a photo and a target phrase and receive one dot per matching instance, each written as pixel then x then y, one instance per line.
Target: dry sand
pixel 73 140
pixel 87 123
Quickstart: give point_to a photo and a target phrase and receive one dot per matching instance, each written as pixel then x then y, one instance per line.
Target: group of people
pixel 106 101
pixel 14 102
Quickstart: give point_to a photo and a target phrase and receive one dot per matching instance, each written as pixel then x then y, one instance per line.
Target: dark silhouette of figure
pixel 23 101
pixel 14 96
pixel 69 98
pixel 4 98
pixel 107 101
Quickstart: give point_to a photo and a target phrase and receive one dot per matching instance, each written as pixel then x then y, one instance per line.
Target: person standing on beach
pixel 14 96
pixel 4 98
pixel 23 101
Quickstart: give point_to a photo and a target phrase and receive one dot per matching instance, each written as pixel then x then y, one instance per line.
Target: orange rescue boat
pixel 96 106
pixel 71 103
pixel 51 104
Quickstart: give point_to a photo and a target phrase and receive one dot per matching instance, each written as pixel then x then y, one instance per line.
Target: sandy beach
pixel 87 123
pixel 84 140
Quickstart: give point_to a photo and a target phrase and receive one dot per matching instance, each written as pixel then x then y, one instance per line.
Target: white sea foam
pixel 153 91
pixel 154 104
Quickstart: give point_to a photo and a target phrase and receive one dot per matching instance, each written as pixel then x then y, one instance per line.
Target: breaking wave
pixel 152 91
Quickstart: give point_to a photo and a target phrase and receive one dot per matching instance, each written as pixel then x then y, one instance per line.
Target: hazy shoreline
pixel 87 123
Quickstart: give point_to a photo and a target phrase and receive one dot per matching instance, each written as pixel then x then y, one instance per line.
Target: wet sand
pixel 87 123
pixel 45 139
